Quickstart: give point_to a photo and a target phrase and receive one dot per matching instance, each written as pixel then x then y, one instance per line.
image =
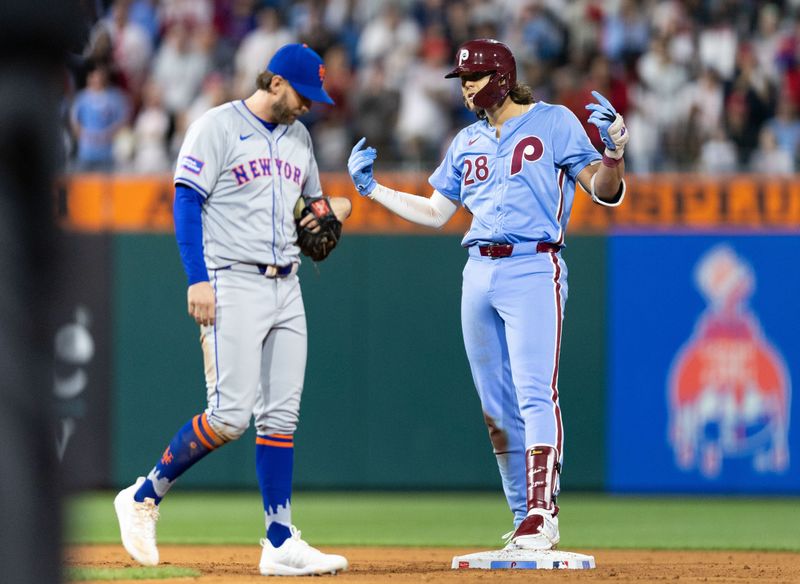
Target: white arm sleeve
pixel 434 211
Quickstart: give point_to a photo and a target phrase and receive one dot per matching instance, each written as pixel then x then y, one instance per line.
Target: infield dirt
pixel 239 565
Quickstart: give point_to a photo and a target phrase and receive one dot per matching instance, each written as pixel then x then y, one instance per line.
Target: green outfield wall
pixel 388 402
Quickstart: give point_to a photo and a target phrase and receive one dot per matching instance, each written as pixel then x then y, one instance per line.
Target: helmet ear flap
pixel 494 92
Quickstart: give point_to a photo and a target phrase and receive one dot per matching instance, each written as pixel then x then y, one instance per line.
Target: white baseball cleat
pixel 296 558
pixel 538 531
pixel 137 524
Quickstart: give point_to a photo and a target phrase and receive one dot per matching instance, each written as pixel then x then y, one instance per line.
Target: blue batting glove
pixel 610 124
pixel 359 165
pixel 603 115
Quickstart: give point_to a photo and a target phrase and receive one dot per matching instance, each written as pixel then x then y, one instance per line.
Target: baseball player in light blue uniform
pixel 242 168
pixel 515 170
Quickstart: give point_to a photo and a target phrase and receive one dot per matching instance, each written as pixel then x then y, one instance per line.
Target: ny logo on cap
pixel 463 56
pixel 322 72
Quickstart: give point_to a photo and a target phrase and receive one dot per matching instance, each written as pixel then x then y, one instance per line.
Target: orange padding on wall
pixel 126 203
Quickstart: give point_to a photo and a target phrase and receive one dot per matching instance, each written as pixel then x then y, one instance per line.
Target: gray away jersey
pixel 251 179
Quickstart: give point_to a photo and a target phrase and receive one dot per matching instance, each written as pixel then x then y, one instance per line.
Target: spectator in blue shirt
pixel 785 127
pixel 98 113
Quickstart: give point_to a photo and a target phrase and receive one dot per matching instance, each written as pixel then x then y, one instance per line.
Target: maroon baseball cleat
pixel 538 531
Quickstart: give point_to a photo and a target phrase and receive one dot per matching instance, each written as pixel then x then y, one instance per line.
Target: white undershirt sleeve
pixel 433 211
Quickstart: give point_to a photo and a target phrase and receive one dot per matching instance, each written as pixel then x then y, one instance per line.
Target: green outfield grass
pixel 137 573
pixel 459 519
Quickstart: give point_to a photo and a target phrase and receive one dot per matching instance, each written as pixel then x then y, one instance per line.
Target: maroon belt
pixel 503 250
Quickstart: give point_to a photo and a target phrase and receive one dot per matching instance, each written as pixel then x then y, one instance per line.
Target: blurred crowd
pixel 705 85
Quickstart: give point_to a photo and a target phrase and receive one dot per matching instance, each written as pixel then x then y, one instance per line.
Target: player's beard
pixel 282 113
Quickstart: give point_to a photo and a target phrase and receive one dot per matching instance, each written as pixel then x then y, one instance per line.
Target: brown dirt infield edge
pixel 239 565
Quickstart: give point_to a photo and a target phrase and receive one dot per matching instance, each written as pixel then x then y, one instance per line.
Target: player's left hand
pixel 340 206
pixel 610 124
pixel 318 236
pixel 309 222
pixel 359 165
pixel 201 302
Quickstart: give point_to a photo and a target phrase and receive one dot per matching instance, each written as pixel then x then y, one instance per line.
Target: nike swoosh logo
pixel 471 142
pixel 243 138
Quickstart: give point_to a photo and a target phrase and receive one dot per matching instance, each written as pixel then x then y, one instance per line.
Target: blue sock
pixel 190 444
pixel 274 465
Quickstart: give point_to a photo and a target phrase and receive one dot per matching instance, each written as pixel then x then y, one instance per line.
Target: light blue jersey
pixel 521 186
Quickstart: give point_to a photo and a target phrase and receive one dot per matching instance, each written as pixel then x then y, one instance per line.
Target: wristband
pixel 620 194
pixel 611 162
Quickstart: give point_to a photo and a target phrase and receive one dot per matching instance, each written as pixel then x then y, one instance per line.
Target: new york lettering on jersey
pixel 247 154
pixel 262 167
pixel 286 155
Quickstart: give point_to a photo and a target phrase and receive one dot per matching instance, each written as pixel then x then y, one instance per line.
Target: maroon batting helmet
pixel 487 56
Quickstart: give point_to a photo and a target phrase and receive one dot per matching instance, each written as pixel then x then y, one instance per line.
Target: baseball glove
pixel 317 242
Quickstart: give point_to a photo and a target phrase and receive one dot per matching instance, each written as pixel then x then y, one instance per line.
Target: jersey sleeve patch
pixel 192 164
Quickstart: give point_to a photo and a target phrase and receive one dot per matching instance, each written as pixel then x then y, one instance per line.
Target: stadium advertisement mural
pixel 703 354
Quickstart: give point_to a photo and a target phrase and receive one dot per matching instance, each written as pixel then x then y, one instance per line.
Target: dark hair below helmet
pixel 487 56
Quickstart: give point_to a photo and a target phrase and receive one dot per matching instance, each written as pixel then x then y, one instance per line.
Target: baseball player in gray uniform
pixel 242 169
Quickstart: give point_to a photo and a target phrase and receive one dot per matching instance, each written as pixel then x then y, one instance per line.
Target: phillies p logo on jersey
pixel 529 148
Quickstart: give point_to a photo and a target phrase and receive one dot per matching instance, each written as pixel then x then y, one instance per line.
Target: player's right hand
pixel 202 303
pixel 359 165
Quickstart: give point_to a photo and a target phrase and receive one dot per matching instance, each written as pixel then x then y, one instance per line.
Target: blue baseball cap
pixel 303 68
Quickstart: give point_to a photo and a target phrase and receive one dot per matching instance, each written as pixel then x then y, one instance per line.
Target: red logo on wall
pixel 729 388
